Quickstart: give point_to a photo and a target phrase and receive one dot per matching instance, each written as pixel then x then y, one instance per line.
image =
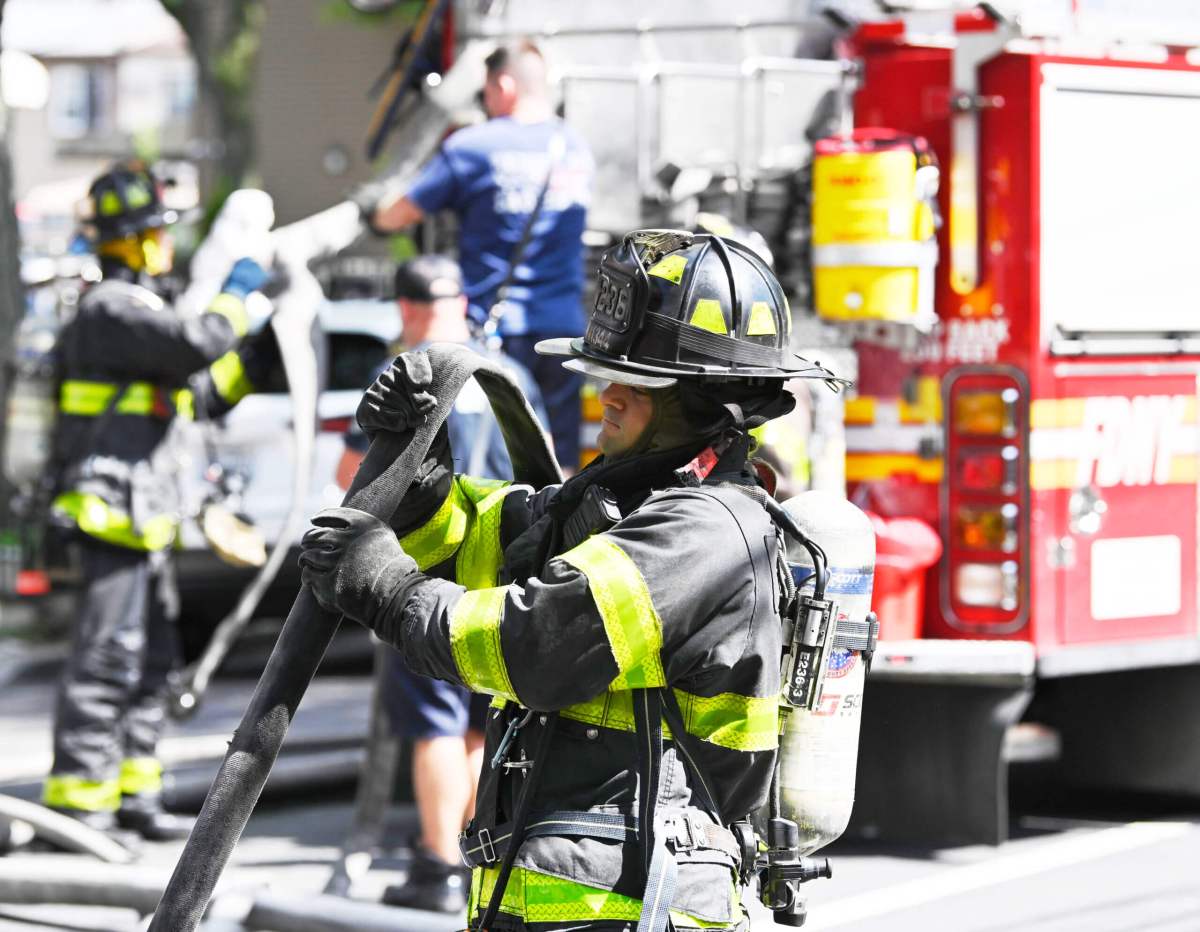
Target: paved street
pixel 1109 868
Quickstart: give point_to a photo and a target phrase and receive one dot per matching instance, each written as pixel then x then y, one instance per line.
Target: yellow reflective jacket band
pixel 630 621
pixel 537 897
pixel 90 399
pixel 68 792
pixel 475 642
pixel 233 309
pixel 438 538
pixel 96 518
pixel 140 775
pixel 468 518
pixel 739 723
pixel 230 379
pixel 480 557
pixel 185 404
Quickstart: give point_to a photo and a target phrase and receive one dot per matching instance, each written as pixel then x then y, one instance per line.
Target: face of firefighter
pixel 151 251
pixel 627 413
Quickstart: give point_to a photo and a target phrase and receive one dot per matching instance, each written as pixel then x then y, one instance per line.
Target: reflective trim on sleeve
pixel 91 399
pixel 475 642
pixel 67 792
pixel 233 309
pixel 630 621
pixel 537 897
pixel 728 720
pixel 140 775
pixel 185 404
pixel 230 379
pixel 96 518
pixel 480 557
pixel 439 537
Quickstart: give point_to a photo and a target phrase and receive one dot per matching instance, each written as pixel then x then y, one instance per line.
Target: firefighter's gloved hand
pixel 399 399
pixel 353 563
pixel 245 276
pixel 368 198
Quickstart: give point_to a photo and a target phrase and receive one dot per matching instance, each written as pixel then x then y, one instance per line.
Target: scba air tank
pixel 819 748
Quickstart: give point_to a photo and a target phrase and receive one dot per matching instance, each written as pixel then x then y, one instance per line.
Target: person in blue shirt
pixel 492 177
pixel 444 722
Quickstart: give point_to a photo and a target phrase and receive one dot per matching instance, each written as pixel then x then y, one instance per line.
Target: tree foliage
pixel 225 36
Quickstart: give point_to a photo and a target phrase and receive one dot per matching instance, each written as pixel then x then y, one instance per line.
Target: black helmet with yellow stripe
pixel 126 200
pixel 676 306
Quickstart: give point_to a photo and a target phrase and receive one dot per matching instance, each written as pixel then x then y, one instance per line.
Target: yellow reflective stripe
pixel 869 467
pixel 630 621
pixel 89 399
pixel 110 204
pixel 439 537
pixel 762 321
pixel 475 642
pixel 68 792
pixel 708 315
pixel 140 775
pixel 185 404
pixel 670 267
pixel 233 309
pixel 728 720
pixel 537 897
pixel 480 557
pixel 96 518
pixel 229 377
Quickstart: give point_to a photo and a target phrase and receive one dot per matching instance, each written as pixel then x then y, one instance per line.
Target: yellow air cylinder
pixel 873 222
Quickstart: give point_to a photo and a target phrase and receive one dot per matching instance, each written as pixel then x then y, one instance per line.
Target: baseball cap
pixel 427 278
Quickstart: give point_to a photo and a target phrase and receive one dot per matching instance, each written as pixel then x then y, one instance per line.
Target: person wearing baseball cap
pixel 443 722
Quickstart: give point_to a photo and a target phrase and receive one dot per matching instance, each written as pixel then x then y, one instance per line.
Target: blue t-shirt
pixel 490 176
pixel 471 422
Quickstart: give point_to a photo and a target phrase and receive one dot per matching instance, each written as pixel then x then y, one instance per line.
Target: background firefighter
pixel 128 366
pixel 645 588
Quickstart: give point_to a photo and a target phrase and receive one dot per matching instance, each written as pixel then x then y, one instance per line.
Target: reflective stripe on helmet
pixel 633 627
pixel 475 642
pixel 230 379
pixel 67 792
pixel 439 537
pixel 96 518
pixel 233 309
pixel 537 897
pixel 728 720
pixel 140 775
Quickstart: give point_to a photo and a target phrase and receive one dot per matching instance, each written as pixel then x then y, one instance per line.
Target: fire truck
pixel 985 222
pixel 1034 401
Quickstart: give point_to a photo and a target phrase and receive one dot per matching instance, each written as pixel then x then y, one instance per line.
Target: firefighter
pixel 646 589
pixel 129 366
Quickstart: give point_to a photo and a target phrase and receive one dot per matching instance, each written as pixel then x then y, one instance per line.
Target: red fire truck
pixel 1042 415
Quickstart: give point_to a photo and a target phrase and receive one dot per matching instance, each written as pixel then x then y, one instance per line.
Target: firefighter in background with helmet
pixel 646 589
pixel 129 365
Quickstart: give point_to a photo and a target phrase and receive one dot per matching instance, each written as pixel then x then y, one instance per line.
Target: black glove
pixel 398 400
pixel 353 563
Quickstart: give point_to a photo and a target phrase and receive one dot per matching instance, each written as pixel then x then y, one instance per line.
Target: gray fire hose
pixel 65 879
pixel 64 831
pixel 381 482
pixel 295 245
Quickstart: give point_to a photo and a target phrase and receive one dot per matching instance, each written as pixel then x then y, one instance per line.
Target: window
pixel 79 100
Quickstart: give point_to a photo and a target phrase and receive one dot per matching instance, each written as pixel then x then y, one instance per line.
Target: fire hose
pixel 294 246
pixel 382 480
